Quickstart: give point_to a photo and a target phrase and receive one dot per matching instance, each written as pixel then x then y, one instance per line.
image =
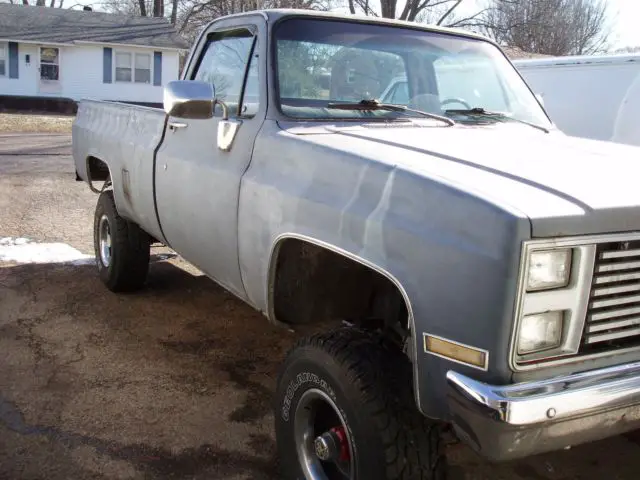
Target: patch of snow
pixel 23 250
pixel 13 241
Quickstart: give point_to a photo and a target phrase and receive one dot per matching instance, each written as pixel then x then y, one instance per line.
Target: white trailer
pixel 596 97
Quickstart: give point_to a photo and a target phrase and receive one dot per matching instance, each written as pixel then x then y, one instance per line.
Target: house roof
pixel 56 25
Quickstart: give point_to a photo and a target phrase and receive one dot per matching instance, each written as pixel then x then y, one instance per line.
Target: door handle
pixel 177 125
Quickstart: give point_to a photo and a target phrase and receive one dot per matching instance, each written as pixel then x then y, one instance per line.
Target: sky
pixel 626 15
pixel 625 20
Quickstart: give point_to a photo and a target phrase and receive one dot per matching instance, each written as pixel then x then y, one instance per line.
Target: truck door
pixel 198 183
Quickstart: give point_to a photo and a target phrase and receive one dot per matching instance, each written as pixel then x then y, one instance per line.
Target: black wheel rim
pixel 323 443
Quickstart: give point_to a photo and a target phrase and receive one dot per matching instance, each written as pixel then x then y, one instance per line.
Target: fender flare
pixel 90 180
pixel 273 256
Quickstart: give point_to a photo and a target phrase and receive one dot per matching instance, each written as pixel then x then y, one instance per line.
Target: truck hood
pixel 564 185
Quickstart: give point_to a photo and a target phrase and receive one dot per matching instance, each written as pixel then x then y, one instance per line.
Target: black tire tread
pixel 131 263
pixel 411 442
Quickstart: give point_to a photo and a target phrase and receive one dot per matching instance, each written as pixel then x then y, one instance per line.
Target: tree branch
pixel 464 22
pixel 449 12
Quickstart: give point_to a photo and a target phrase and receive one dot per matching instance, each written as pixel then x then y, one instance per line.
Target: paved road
pixel 172 382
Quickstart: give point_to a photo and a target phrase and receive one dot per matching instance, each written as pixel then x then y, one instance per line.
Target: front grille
pixel 613 315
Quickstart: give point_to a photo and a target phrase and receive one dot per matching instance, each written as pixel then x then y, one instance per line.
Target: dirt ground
pixel 173 382
pixel 23 123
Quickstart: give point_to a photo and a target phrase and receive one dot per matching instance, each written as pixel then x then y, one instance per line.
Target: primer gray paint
pixel 443 211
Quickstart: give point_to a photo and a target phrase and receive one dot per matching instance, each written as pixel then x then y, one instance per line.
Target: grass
pixel 35 123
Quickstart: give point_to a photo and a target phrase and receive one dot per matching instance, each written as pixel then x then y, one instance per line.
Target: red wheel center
pixel 345 454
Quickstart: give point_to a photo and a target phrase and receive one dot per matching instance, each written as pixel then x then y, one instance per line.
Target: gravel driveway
pixel 172 382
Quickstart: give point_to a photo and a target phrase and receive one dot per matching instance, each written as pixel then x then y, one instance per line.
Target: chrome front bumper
pixel 513 421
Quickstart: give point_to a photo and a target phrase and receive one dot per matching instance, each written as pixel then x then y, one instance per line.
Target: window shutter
pixel 107 65
pixel 13 60
pixel 157 68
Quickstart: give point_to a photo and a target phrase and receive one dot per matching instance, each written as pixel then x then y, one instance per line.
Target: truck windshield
pixel 321 62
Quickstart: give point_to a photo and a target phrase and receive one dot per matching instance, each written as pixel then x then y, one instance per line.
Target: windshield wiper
pixel 488 113
pixel 370 104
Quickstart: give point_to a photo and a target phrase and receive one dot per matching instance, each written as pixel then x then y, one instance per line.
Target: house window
pixel 49 63
pixel 133 67
pixel 3 60
pixel 143 68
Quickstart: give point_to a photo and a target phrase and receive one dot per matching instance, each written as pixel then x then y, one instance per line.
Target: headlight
pixel 548 269
pixel 540 331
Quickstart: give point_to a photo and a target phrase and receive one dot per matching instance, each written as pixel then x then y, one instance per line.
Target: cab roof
pixel 273 15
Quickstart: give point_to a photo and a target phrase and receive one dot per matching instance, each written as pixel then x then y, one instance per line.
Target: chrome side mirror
pixel 189 99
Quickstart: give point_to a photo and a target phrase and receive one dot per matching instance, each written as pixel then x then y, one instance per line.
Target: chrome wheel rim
pixel 323 443
pixel 104 240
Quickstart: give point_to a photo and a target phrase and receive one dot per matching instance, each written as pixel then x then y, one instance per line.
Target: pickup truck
pixel 471 269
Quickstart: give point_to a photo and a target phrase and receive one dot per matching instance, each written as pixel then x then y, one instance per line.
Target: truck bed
pixel 125 137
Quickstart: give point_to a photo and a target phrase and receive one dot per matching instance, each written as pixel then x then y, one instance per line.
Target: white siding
pixel 26 84
pixel 81 75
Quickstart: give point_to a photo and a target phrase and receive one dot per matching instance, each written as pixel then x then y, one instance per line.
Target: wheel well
pixel 97 169
pixel 312 284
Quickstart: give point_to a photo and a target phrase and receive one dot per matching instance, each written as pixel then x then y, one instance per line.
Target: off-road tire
pixel 371 383
pixel 130 246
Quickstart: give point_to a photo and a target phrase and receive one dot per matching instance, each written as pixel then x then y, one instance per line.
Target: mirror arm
pixel 225 109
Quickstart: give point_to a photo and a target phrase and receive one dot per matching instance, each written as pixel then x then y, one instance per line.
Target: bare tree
pixel 37 3
pixel 174 11
pixel 439 12
pixel 635 49
pixel 141 8
pixel 193 15
pixel 552 27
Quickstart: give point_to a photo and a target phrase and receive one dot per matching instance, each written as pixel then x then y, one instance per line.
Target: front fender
pixel 452 254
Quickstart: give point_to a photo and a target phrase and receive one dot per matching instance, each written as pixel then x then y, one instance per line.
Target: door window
pixel 49 63
pixel 224 64
pixel 251 98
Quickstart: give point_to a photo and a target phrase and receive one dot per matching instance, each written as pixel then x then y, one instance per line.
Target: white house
pixel 51 52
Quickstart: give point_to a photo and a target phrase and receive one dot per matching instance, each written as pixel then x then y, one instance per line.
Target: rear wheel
pixel 121 248
pixel 345 411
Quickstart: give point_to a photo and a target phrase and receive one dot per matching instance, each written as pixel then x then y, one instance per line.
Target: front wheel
pixel 122 248
pixel 345 411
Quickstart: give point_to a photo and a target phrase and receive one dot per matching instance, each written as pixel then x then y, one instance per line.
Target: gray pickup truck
pixel 472 270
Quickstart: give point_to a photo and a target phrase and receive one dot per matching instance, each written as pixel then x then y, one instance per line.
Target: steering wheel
pixel 447 101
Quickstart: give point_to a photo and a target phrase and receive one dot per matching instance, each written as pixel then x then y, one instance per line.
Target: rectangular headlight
pixel 548 269
pixel 540 331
